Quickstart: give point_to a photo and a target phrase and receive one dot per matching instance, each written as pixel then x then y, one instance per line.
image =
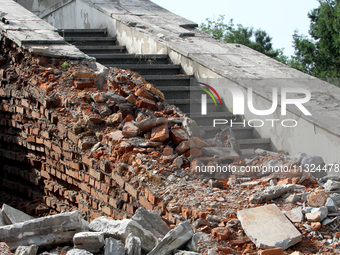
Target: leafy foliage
pixel 256 39
pixel 320 56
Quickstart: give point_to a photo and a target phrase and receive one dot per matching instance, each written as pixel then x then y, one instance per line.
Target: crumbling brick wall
pixel 75 143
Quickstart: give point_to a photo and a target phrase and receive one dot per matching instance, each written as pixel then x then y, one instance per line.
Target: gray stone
pixel 191 127
pixel 317 214
pixel 222 153
pixel 147 124
pixel 90 241
pixel 312 161
pixel 192 245
pixel 26 250
pixel 186 253
pixel 332 186
pixel 50 230
pixel 336 198
pixel 151 221
pixel 120 229
pixel 308 227
pixel 115 97
pixel 267 227
pixel 78 252
pixel 11 215
pixel 328 221
pixel 174 239
pixel 331 206
pixel 113 246
pixel 293 198
pixel 133 245
pixel 273 192
pixel 295 215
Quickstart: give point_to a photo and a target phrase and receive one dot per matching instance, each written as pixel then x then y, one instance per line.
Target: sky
pixel 279 18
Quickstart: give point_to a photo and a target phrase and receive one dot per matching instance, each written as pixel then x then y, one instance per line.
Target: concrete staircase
pixel 179 89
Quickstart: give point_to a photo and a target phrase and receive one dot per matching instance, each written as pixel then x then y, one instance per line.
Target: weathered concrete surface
pixel 120 229
pixel 173 239
pixel 113 246
pixel 56 229
pixel 10 215
pixel 29 31
pixel 90 241
pixel 273 192
pixel 26 250
pixel 151 221
pixel 267 227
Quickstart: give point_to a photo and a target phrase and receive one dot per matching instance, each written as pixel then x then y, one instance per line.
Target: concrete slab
pixel 50 230
pixel 11 215
pixel 267 227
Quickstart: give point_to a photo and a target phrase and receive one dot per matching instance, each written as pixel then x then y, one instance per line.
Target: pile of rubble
pixel 144 233
pixel 88 142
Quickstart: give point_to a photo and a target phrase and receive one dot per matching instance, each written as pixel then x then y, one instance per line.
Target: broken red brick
pixel 220 233
pixel 178 135
pixel 146 103
pixel 274 251
pixel 160 133
pixel 130 130
pixel 83 84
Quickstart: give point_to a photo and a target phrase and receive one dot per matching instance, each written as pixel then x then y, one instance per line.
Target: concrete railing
pixel 143 27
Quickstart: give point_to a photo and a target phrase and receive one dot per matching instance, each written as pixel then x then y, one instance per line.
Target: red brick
pixel 275 251
pixel 144 94
pixel 178 135
pixel 160 133
pixel 145 203
pixel 146 103
pixel 220 233
pixel 131 190
pixel 80 84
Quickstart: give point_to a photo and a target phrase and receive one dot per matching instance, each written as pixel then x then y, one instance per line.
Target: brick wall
pixel 48 152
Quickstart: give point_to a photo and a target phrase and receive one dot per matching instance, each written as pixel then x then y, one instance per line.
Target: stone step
pixel 91 41
pixel 239 132
pixel 262 143
pixel 169 80
pixel 113 59
pixel 146 69
pixel 96 32
pixel 102 49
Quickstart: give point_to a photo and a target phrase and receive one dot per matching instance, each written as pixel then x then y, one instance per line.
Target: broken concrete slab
pixel 90 241
pixel 174 239
pixel 222 153
pixel 151 221
pixel 332 186
pixel 78 252
pixel 268 228
pixel 113 246
pixel 120 229
pixel 133 245
pixel 26 250
pixel 50 230
pixel 295 215
pixel 331 206
pixel 11 215
pixel 317 214
pixel 273 192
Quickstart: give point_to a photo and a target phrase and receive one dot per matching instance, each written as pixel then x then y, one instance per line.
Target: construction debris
pixel 268 228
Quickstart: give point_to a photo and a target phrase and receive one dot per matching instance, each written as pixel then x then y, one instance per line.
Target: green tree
pixel 256 39
pixel 320 56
